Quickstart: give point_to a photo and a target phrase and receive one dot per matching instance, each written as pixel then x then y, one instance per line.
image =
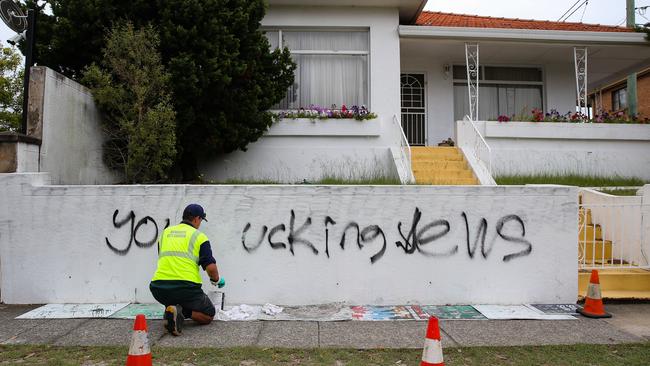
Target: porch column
pixel 472 65
pixel 580 60
pixel 632 109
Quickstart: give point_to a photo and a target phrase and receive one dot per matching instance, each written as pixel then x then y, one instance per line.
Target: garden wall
pixel 298 150
pixel 295 244
pixel 525 148
pixel 63 115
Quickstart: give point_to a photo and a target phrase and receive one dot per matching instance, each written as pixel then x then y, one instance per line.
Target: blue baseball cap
pixel 194 210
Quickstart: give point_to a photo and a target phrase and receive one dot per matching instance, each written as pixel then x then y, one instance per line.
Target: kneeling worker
pixel 177 281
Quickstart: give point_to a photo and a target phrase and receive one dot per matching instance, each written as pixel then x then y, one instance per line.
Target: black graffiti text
pixel 133 232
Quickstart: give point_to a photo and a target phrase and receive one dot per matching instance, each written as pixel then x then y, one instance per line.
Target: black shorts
pixel 188 295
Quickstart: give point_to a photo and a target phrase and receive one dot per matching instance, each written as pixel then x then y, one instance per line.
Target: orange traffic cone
pixel 139 351
pixel 432 353
pixel 594 302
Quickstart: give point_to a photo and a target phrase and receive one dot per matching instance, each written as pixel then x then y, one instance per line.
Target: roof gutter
pixel 522 35
pixel 418 12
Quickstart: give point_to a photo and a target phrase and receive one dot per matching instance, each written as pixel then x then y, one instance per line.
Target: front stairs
pixel 615 283
pixel 441 166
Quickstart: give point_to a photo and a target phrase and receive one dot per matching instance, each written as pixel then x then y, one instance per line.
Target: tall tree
pixel 224 77
pixel 131 88
pixel 11 89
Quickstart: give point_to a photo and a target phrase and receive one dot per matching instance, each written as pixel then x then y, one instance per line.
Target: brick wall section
pixel 643 95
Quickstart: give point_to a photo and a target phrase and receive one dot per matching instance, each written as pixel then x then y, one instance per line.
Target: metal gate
pixel 413 108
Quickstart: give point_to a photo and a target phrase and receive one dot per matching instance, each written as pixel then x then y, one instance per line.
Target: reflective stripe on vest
pixel 178 255
pixel 190 249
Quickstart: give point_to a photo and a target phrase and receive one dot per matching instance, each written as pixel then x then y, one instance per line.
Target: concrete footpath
pixel 630 323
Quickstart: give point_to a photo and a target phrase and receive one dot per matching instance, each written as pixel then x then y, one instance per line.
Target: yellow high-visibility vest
pixel 178 258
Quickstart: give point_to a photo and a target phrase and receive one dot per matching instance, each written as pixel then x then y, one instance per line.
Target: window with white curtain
pixel 332 67
pixel 503 91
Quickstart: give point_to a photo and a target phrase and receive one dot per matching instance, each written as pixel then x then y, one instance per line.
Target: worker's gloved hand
pixel 221 283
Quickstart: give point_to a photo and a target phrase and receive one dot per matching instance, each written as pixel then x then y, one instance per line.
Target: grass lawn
pixel 570 180
pixel 622 354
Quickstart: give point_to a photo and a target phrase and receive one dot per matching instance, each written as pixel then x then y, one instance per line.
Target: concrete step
pixel 443 174
pixel 450 153
pixel 441 166
pixel 435 165
pixel 447 182
pixel 594 249
pixel 618 283
pixel 436 159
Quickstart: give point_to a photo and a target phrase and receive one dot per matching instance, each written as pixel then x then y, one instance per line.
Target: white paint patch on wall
pixel 524 148
pixel 283 244
pixel 72 139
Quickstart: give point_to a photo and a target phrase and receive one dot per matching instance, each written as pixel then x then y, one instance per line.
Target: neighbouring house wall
pixel 307 154
pixel 642 92
pixel 66 252
pixel 62 113
pixel 559 91
pixel 643 95
pixel 533 148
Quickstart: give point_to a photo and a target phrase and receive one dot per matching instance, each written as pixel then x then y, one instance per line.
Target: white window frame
pixel 280 30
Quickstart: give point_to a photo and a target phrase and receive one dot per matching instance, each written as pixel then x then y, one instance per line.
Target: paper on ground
pixel 381 313
pixel 517 312
pixel 240 312
pixel 150 311
pixel 271 310
pixel 72 311
pixel 324 312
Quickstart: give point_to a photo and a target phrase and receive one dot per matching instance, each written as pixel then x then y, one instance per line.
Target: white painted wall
pixel 308 155
pixel 560 86
pixel 63 256
pixel 26 157
pixel 302 149
pixel 521 148
pixel 72 141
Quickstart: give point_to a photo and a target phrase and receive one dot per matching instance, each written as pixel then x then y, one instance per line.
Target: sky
pixel 610 12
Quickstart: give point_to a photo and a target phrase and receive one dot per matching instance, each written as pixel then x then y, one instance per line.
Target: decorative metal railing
pixel 611 232
pixel 405 150
pixel 480 148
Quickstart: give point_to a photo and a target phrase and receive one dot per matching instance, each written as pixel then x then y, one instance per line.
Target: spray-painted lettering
pixel 133 232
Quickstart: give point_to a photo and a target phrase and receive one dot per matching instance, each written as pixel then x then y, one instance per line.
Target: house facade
pixel 409 67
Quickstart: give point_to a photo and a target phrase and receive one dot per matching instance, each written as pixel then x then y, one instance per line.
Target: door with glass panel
pixel 413 109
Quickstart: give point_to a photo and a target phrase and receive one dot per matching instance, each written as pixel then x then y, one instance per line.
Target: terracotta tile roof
pixel 474 21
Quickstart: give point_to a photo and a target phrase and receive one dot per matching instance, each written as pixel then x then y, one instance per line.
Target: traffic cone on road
pixel 139 350
pixel 432 353
pixel 594 302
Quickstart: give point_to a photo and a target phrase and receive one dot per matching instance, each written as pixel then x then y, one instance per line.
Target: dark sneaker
pixel 173 319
